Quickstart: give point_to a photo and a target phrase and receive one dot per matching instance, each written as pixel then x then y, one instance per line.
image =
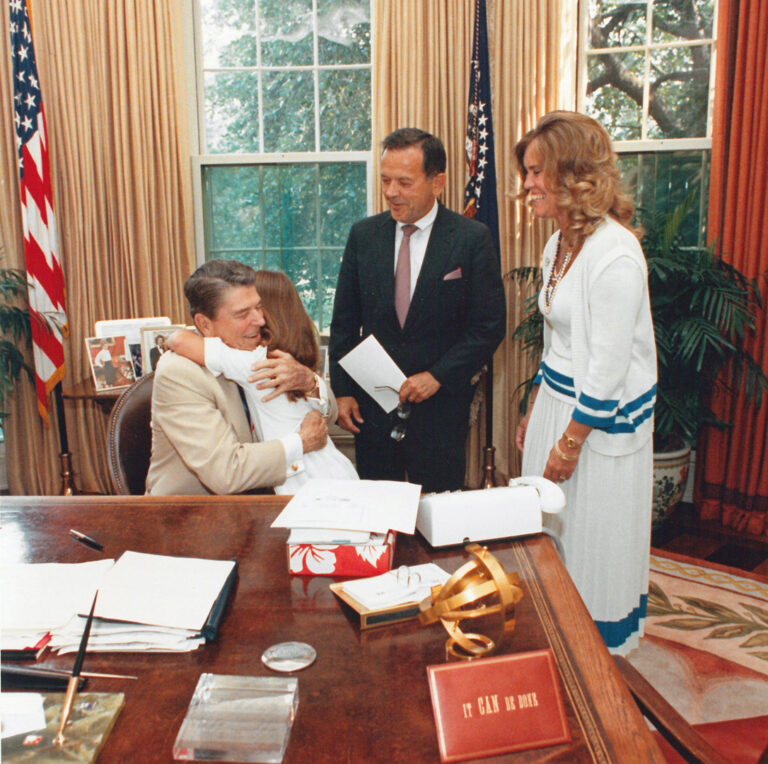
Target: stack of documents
pixel 146 602
pixel 396 587
pixel 349 511
pixel 43 598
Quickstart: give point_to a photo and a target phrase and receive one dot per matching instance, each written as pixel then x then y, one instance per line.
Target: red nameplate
pixel 497 705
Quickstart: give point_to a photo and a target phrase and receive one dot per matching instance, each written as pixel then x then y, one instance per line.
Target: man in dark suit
pixel 425 282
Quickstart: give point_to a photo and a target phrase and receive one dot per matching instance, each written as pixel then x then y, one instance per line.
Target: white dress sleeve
pixel 615 299
pixel 234 364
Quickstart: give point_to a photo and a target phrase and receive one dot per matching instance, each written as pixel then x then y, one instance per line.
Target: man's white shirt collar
pixel 425 222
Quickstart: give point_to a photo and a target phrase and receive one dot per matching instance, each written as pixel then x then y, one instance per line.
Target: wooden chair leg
pixel 675 729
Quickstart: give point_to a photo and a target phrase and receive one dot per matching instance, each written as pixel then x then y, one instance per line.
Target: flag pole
pixel 45 278
pixel 489 452
pixel 480 192
pixel 67 479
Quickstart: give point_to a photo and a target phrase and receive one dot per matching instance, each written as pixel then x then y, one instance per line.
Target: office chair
pixel 130 438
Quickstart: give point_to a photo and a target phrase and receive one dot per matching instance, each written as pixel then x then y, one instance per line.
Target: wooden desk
pixel 366 697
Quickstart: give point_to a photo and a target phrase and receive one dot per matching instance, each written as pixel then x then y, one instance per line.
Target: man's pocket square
pixel 452 275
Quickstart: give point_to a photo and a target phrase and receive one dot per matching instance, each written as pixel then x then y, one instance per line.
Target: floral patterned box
pixel 357 560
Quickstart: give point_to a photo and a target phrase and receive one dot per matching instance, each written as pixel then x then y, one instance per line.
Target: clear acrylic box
pixel 238 718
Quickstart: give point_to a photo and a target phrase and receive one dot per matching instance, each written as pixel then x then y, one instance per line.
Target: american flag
pixel 46 280
pixel 480 191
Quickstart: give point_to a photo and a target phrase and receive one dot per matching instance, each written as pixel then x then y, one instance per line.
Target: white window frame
pixel 646 144
pixel 193 53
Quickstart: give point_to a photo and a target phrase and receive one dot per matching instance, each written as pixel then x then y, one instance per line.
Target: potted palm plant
pixel 703 308
pixel 14 331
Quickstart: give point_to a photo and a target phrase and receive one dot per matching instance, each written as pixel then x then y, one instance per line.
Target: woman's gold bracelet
pixel 563 456
pixel 571 442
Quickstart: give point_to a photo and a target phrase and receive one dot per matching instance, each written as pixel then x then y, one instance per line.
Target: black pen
pixel 87 540
pixel 74 680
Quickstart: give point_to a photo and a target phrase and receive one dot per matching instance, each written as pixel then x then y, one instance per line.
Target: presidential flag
pixel 480 191
pixel 46 281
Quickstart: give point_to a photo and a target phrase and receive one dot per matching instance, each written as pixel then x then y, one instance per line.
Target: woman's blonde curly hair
pixel 579 166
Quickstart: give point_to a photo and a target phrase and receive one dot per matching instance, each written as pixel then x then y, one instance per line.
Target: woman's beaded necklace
pixel 556 274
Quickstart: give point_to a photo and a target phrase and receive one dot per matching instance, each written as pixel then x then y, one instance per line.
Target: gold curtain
pixel 113 85
pixel 421 59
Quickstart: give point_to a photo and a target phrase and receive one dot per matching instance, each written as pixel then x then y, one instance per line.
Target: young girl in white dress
pixel 287 328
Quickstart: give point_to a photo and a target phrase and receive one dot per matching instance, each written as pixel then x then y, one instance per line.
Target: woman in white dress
pixel 287 328
pixel 589 426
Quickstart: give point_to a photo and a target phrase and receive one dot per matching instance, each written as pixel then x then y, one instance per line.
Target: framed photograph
pixel 130 328
pixel 135 348
pixel 111 363
pixel 153 344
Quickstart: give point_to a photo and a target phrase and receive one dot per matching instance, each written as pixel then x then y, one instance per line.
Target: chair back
pixel 130 437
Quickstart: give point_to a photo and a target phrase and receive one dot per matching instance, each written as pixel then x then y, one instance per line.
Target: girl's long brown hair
pixel 288 327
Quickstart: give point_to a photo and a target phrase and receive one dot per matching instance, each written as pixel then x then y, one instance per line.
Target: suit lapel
pixel 384 263
pixel 435 258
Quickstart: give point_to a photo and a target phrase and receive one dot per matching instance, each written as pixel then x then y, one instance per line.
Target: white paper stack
pixel 349 511
pixel 147 603
pixel 45 597
pixel 396 587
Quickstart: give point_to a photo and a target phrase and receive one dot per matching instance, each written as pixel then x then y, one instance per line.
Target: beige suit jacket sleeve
pixel 201 441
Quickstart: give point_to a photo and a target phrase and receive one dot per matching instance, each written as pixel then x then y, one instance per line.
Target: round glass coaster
pixel 289 656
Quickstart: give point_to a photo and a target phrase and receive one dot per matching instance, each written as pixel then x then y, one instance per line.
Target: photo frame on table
pixel 111 364
pixel 152 344
pixel 130 328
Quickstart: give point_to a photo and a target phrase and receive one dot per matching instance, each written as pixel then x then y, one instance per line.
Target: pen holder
pixel 481 592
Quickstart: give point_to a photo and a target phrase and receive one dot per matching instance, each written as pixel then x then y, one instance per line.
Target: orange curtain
pixel 733 478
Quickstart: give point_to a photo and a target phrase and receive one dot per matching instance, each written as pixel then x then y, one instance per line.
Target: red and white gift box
pixel 358 560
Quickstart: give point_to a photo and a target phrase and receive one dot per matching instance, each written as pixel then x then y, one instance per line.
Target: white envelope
pixel 375 371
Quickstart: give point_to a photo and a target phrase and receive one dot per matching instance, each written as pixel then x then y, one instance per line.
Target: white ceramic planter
pixel 670 472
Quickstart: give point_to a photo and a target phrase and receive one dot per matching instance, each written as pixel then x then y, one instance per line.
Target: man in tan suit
pixel 202 441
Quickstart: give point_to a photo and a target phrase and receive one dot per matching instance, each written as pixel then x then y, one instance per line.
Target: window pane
pixel 615 93
pixel 659 181
pixel 344 31
pixel 233 204
pixel 286 32
pixel 298 196
pixel 267 215
pixel 345 110
pixel 252 257
pixel 616 23
pixel 231 111
pixel 228 30
pixel 289 123
pixel 691 20
pixel 342 195
pixel 272 194
pixel 331 260
pixel 301 267
pixel 679 92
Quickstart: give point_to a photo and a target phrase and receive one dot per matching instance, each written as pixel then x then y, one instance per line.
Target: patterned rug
pixel 709 608
pixel 705 650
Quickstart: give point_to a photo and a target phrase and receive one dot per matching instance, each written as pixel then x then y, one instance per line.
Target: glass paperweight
pixel 238 718
pixel 289 656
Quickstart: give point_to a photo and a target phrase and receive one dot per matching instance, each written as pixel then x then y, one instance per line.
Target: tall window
pixel 284 135
pixel 646 73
